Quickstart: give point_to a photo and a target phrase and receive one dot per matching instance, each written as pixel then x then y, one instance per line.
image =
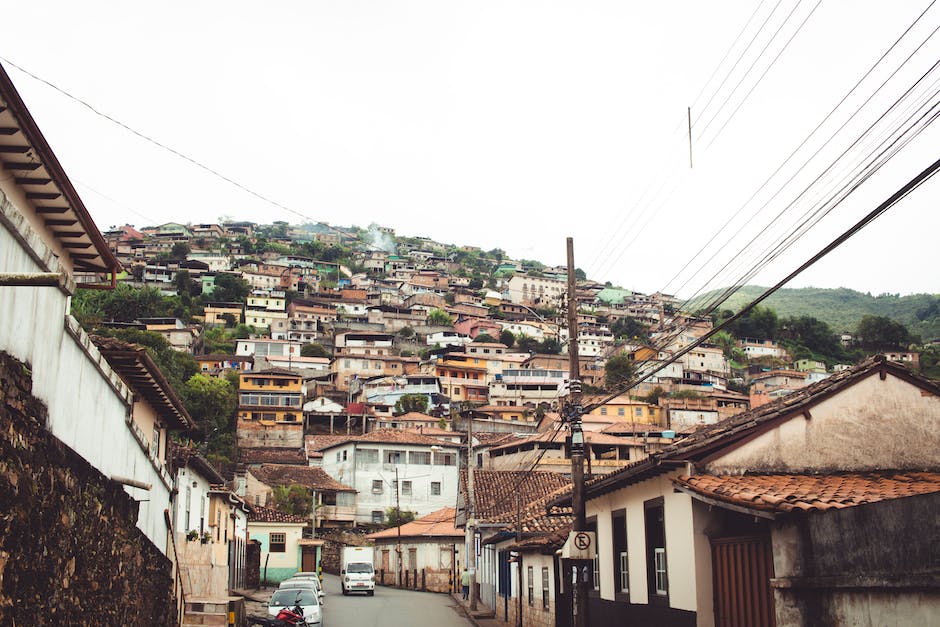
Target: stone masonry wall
pixel 70 552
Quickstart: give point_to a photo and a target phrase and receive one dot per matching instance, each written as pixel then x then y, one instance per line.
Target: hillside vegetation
pixel 842 309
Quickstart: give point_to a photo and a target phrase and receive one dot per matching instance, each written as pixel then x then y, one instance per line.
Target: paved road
pixel 388 608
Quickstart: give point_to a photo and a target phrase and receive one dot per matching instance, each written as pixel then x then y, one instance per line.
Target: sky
pixel 509 124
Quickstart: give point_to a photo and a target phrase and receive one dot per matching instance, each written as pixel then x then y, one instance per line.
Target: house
pixel 500 497
pixel 210 528
pixel 225 314
pixel 334 503
pixel 270 409
pixel 463 377
pixel 761 348
pixel 263 347
pixel 266 309
pixel 622 408
pixel 537 291
pixel 426 468
pixel 604 452
pixel 411 420
pixel 349 368
pixel 793 511
pixel 179 335
pixel 284 550
pixel 527 386
pixel 430 547
pixel 218 365
pixel 62 402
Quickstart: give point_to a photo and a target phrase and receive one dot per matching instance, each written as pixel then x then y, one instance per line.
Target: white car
pixel 358 577
pixel 306 598
pixel 309 583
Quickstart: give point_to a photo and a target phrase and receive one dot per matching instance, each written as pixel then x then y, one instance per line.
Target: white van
pixel 358 573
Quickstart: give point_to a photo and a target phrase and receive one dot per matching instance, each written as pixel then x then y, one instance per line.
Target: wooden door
pixel 742 568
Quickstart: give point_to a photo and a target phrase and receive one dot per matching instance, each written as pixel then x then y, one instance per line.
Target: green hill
pixel 842 308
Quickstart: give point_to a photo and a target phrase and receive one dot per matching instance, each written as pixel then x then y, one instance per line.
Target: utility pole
pixel 471 522
pixel 579 605
pixel 398 520
pixel 519 555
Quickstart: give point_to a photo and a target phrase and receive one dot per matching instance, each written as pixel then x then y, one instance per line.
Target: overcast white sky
pixel 496 124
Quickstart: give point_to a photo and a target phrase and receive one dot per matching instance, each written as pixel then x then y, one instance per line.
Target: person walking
pixel 465 583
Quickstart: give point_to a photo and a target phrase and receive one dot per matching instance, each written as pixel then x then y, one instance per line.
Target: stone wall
pixel 70 551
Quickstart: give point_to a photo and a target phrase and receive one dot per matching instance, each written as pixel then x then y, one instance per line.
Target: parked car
pixel 303 583
pixel 306 598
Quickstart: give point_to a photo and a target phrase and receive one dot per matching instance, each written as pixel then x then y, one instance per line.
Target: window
pixel 378 516
pixel 445 459
pixel 618 520
pixel 544 588
pixel 376 486
pixel 406 488
pixel 277 542
pixel 596 575
pixel 419 457
pixel 394 457
pixel 603 411
pixel 656 573
pixel 639 412
pixel 189 497
pixel 412 559
pixel 620 411
pixel 531 578
pixel 346 499
pixel 368 455
pixel 435 488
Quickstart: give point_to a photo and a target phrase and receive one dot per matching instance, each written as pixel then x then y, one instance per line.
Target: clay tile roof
pixel 787 493
pixel 271 455
pixel 394 436
pixel 413 416
pixel 495 491
pixel 315 443
pixel 493 439
pixel 436 524
pixel 559 436
pixel 307 476
pixel 267 515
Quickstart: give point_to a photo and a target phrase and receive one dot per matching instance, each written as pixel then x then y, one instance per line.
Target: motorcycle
pixel 285 618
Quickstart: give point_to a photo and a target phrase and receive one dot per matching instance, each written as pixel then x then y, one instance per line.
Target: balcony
pixel 338 513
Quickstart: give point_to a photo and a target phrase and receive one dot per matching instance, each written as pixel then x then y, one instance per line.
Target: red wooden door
pixel 742 568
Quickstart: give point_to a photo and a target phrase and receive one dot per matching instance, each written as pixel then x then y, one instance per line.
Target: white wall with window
pixel 191 501
pixel 427 475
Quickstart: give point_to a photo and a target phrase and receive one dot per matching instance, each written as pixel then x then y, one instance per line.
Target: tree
pixel 185 284
pixel 313 350
pixel 406 333
pixel 760 323
pixel 618 370
pixel 881 333
pixel 580 275
pixel 230 288
pixel 507 337
pixel 527 344
pixel 631 328
pixel 550 346
pixel 439 317
pixel 476 284
pixel 395 517
pixel 485 337
pixel 409 403
pixel 725 341
pixel 211 402
pixel 293 499
pixel 655 394
pixel 180 250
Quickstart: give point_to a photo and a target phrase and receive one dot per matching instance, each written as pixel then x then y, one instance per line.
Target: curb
pixel 464 608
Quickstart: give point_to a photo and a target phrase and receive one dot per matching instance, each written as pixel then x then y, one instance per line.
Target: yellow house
pixel 270 409
pixel 624 408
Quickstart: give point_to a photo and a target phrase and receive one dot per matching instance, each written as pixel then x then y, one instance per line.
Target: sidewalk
pixel 482 617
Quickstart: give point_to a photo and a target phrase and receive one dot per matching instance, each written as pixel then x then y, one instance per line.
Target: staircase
pixel 214 613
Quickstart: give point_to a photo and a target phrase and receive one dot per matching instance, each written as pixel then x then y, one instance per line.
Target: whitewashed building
pixel 425 468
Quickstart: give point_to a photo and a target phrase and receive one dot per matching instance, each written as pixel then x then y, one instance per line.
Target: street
pixel 389 607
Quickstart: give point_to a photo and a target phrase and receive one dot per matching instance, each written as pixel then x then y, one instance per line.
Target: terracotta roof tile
pixel 495 492
pixel 316 443
pixel 271 455
pixel 786 493
pixel 394 436
pixel 308 476
pixel 268 515
pixel 436 524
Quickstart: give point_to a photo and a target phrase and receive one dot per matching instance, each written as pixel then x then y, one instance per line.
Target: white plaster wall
pixel 361 475
pixel 680 542
pixel 88 404
pixel 872 425
pixel 197 496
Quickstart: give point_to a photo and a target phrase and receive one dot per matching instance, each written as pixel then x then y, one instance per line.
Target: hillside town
pixel 193 414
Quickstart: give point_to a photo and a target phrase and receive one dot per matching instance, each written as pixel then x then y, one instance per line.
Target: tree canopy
pixel 618 370
pixel 408 403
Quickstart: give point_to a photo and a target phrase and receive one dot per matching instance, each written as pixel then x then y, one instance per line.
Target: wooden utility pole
pixel 398 520
pixel 471 521
pixel 579 605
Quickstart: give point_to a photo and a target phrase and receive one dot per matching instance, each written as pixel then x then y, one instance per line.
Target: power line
pixel 157 143
pixel 896 197
pixel 721 229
